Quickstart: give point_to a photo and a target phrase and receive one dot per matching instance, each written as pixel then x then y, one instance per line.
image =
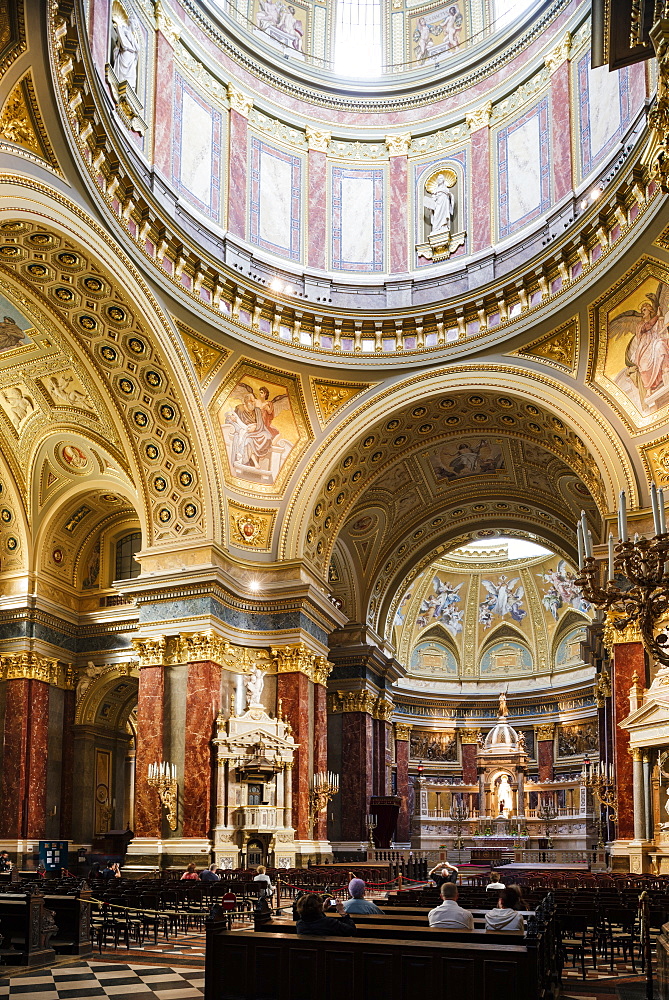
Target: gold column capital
pixel 398 145
pixel 612 636
pixel 30 666
pixel 403 731
pixel 351 701
pixel 546 731
pixel 239 102
pixel 469 736
pixel 317 139
pixel 299 659
pixel 560 53
pixel 479 118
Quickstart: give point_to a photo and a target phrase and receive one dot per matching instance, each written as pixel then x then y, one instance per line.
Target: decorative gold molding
pixel 479 118
pixel 317 139
pixel 545 732
pixel 560 53
pixel 635 753
pixel 383 710
pixel 206 358
pixel 363 701
pixel 602 688
pixel 150 652
pixel 301 660
pixel 331 396
pixel 398 145
pixel 250 527
pixel 559 349
pixel 21 123
pixel 469 736
pixel 239 102
pixel 612 636
pixel 164 23
pixel 33 667
pixel 403 731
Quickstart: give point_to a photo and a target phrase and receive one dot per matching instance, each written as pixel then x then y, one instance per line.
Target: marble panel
pixel 275 202
pixel 357 774
pixel 545 758
pixel 150 748
pixel 357 219
pixel 398 221
pixel 628 658
pixel 295 694
pixel 237 173
pixel 403 829
pixel 317 208
pixel 23 780
pixel 98 30
pixel 468 753
pixel 561 132
pixel 163 98
pixel 481 201
pixel 604 110
pixel 202 706
pixel 196 150
pixel 320 750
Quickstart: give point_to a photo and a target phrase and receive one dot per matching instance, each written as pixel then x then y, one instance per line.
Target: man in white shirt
pixel 494 882
pixel 448 914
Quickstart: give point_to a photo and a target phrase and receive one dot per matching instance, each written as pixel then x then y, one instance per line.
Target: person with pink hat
pixel 357 903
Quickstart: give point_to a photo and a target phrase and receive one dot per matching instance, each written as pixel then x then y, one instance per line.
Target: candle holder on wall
pixel 324 786
pixel 163 777
pixel 599 777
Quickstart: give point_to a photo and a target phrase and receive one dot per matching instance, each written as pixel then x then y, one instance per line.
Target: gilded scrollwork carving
pixel 479 118
pixel 239 102
pixel 398 145
pixel 612 636
pixel 560 53
pixel 317 139
pixel 469 736
pixel 546 731
pixel 27 665
pixel 403 731
pixel 300 659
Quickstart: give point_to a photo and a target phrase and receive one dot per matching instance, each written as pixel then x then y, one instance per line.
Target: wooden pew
pixel 249 965
pixel 73 917
pixel 21 927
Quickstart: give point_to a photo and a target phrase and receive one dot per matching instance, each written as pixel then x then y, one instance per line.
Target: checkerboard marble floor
pixel 99 980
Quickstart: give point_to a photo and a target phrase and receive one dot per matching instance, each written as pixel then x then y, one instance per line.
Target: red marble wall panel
pixel 481 208
pixel 25 754
pixel 399 203
pixel 320 750
pixel 545 758
pixel 237 174
pixel 628 657
pixel 403 830
pixel 164 98
pixel 638 85
pixel 150 722
pixel 561 132
pixel 98 28
pixel 67 765
pixel 357 774
pixel 202 706
pixel 294 691
pixel 469 773
pixel 317 208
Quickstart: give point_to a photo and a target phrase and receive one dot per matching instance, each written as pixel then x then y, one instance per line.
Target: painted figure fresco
pixel 503 598
pixel 638 346
pixel 440 606
pixel 13 326
pixel 562 591
pixel 259 430
pixel 437 33
pixel 467 457
pixel 279 21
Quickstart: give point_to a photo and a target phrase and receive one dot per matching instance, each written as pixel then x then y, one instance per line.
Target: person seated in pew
pixel 111 871
pixel 505 916
pixel 263 880
pixel 448 914
pixel 5 863
pixel 190 872
pixel 312 919
pixel 521 905
pixel 494 882
pixel 210 874
pixel 357 903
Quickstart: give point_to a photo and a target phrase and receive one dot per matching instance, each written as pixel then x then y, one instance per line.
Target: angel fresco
pixel 645 377
pixel 562 590
pixel 440 605
pixel 504 598
pixel 440 34
pixel 256 448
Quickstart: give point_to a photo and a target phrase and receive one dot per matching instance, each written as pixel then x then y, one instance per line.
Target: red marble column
pixel 403 829
pixel 399 201
pixel 561 131
pixel 317 211
pixel 202 706
pixel 545 758
pixel 357 774
pixel 320 750
pixel 150 725
pixel 67 765
pixel 469 772
pixel 293 689
pixel 237 174
pixel 25 754
pixel 98 28
pixel 481 209
pixel 628 658
pixel 164 110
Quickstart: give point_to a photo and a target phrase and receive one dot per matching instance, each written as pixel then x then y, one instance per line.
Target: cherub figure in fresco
pixel 251 420
pixel 427 34
pixel 504 597
pixel 647 351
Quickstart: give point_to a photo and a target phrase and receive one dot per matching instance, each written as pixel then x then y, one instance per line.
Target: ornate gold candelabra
pixel 370 823
pixel 546 813
pixel 459 813
pixel 163 777
pixel 324 786
pixel 599 777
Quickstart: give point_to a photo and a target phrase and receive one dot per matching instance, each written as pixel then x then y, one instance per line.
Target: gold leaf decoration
pixel 250 527
pixel 21 123
pixel 331 397
pixel 206 358
pixel 558 349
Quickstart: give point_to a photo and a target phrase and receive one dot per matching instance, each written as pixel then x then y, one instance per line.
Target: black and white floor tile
pixel 102 980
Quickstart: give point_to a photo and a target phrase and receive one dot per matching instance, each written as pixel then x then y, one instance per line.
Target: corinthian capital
pixel 317 139
pixel 560 53
pixel 479 118
pixel 239 102
pixel 398 145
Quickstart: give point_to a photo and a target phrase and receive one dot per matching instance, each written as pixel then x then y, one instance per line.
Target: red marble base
pixel 545 758
pixel 295 694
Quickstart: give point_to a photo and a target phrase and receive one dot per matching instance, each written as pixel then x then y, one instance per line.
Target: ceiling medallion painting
pixel 632 347
pixel 467 457
pixel 14 327
pixel 262 425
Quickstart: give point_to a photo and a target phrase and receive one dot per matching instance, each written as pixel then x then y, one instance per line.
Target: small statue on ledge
pixel 503 710
pixel 255 681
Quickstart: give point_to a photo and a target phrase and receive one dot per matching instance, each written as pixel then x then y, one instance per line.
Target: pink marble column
pixel 399 212
pixel 320 751
pixel 25 755
pixel 403 829
pixel 98 31
pixel 164 110
pixel 357 774
pixel 294 692
pixel 481 198
pixel 561 131
pixel 317 208
pixel 67 765
pixel 150 723
pixel 237 173
pixel 202 706
pixel 628 658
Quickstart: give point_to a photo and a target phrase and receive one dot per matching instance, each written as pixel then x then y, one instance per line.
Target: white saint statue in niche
pixel 255 681
pixel 440 202
pixel 125 55
pixel 504 796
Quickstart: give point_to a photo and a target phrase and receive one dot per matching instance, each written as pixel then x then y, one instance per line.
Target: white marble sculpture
pixel 125 57
pixel 443 207
pixel 255 681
